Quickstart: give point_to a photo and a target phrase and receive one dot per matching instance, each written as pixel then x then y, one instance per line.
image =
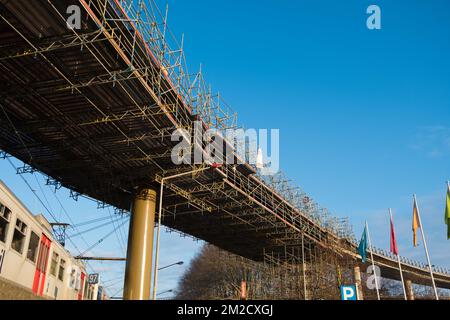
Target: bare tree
pixel 217 274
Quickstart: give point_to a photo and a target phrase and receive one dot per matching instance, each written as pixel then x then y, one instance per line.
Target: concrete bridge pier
pixel 140 246
pixel 409 289
pixel 358 282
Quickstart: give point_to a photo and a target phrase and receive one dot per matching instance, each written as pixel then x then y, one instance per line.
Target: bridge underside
pixel 91 109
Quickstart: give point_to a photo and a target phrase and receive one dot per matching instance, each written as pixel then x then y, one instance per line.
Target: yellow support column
pixel 140 247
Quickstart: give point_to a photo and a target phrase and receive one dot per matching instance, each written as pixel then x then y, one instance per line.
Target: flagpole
pixel 426 248
pixel 373 264
pixel 399 262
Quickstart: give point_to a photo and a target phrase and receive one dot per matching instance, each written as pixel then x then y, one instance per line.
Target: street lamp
pixel 155 279
pixel 164 292
pixel 179 263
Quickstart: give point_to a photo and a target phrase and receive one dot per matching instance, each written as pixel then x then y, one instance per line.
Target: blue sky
pixel 363 115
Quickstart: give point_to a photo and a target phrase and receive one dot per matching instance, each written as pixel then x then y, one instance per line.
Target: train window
pixel 55 258
pixel 19 236
pixel 5 215
pixel 91 292
pixel 62 266
pixel 86 287
pixel 33 247
pixel 73 279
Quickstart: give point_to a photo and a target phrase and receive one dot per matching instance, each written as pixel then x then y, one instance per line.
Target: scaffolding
pixel 94 109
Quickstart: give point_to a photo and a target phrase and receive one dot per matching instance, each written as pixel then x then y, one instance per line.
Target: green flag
pixel 362 248
pixel 447 212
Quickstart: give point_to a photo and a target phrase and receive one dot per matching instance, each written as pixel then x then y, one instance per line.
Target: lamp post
pixel 155 279
pixel 164 292
pixel 179 263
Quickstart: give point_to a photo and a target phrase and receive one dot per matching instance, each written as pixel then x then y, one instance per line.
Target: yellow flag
pixel 415 223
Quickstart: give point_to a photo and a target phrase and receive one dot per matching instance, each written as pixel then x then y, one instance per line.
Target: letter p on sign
pixel 348 292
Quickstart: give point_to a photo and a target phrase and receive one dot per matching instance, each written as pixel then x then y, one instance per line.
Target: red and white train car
pixel 32 258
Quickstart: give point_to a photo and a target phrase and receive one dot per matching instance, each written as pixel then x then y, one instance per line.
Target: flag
pixel 362 248
pixel 447 212
pixel 394 248
pixel 415 223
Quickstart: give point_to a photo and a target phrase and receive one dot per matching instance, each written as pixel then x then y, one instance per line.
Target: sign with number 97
pixel 93 278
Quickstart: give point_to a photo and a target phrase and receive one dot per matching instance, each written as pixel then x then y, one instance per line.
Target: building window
pixel 62 266
pixel 19 236
pixel 55 258
pixel 33 247
pixel 5 215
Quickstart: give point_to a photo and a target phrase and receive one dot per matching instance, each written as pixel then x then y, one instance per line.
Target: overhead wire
pixel 79 233
pixel 120 240
pixel 102 239
pixel 81 224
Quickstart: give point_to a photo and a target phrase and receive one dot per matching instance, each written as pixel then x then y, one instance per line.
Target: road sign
pixel 348 292
pixel 93 278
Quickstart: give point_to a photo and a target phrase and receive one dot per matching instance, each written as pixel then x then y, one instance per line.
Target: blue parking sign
pixel 348 293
